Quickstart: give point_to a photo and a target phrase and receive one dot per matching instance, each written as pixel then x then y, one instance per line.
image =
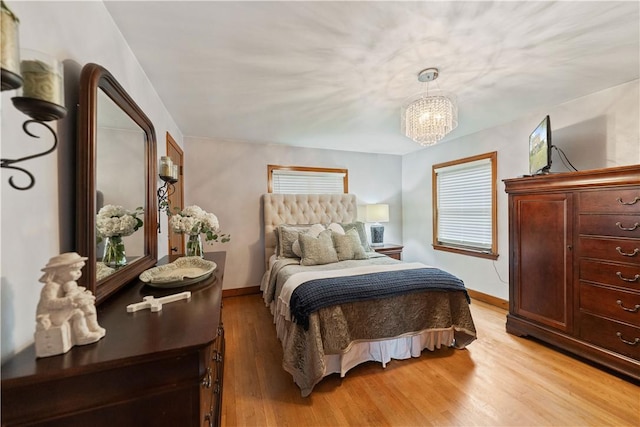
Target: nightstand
pixel 389 249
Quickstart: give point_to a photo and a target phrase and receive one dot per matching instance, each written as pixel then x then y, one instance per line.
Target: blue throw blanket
pixel 319 293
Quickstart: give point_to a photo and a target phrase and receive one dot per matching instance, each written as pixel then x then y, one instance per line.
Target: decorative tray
pixel 103 271
pixel 182 272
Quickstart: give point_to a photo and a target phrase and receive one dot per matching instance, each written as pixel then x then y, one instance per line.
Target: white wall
pixel 38 223
pixel 228 178
pixel 596 131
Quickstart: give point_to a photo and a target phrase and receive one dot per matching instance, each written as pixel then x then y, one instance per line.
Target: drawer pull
pixel 636 225
pixel 628 203
pixel 206 381
pixel 635 279
pixel 634 342
pixel 632 310
pixel 634 253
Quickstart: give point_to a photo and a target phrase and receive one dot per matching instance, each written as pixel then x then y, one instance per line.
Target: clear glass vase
pixel 194 246
pixel 114 255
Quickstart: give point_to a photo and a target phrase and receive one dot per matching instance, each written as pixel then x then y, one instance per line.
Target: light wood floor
pixel 499 380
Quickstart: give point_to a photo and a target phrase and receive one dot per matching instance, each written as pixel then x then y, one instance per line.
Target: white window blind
pixel 464 205
pixel 307 182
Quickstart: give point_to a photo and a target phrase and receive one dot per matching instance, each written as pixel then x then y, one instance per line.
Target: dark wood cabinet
pixel 574 263
pixel 542 233
pixel 163 368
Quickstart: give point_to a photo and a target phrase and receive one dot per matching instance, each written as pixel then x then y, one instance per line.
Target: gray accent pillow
pixel 348 245
pixel 359 226
pixel 317 250
pixel 314 230
pixel 287 234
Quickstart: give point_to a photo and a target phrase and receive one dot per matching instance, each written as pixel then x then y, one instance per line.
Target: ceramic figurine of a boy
pixel 66 313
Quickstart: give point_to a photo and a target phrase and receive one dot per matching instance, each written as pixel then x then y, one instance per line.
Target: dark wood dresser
pixel 389 249
pixel 162 369
pixel 574 263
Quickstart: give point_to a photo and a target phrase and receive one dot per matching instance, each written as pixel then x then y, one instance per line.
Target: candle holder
pixel 8 163
pixel 9 51
pixel 40 97
pixel 169 174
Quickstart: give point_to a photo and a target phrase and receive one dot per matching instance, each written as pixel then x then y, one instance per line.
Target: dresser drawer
pixel 611 303
pixel 218 361
pixel 610 201
pixel 616 336
pixel 623 276
pixel 206 387
pixel 610 225
pixel 617 250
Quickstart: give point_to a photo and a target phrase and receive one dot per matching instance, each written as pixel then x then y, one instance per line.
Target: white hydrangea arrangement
pixel 113 220
pixel 112 224
pixel 193 220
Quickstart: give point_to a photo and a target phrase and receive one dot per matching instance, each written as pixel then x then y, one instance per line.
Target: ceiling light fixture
pixel 428 117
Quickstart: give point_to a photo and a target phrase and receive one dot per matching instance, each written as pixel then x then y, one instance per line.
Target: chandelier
pixel 429 116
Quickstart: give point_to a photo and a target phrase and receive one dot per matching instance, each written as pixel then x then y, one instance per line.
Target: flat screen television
pixel 540 148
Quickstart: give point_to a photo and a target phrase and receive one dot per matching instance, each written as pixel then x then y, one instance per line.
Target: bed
pixel 336 308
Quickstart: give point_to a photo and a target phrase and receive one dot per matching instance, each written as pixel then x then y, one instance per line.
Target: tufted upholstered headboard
pixel 303 209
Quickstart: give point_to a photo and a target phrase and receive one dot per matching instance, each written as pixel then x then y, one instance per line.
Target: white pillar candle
pixel 42 81
pixel 166 166
pixel 9 44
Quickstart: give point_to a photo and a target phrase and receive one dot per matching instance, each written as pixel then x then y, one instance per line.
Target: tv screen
pixel 540 148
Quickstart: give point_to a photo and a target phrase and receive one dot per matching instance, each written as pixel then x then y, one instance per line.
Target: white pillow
pixel 313 231
pixel 336 228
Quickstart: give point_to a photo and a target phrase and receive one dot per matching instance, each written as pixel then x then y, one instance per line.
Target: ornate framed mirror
pixel 116 169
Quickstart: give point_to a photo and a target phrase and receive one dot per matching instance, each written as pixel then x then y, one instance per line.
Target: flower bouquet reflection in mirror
pixel 113 223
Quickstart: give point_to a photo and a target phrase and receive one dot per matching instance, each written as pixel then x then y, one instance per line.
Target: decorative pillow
pixel 359 226
pixel 334 226
pixel 313 231
pixel 317 250
pixel 277 248
pixel 348 245
pixel 296 248
pixel 287 234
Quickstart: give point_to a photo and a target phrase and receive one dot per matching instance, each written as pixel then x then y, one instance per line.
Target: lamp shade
pixel 377 213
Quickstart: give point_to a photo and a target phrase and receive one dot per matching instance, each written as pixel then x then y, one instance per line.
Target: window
pixel 464 206
pixel 306 180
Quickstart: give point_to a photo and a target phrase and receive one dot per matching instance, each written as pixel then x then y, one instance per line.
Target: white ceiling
pixel 334 74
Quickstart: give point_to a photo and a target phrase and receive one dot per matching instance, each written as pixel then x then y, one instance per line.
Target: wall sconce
pixel 39 80
pixel 169 174
pixel 377 214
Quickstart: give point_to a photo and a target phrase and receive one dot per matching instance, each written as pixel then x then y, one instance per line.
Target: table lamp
pixel 376 214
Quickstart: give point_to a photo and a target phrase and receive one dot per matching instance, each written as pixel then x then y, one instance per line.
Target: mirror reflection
pixel 120 188
pixel 115 189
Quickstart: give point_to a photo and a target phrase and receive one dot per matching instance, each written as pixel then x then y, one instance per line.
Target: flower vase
pixel 114 255
pixel 194 246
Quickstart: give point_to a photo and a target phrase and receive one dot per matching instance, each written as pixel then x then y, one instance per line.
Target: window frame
pixel 467 250
pixel 271 168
